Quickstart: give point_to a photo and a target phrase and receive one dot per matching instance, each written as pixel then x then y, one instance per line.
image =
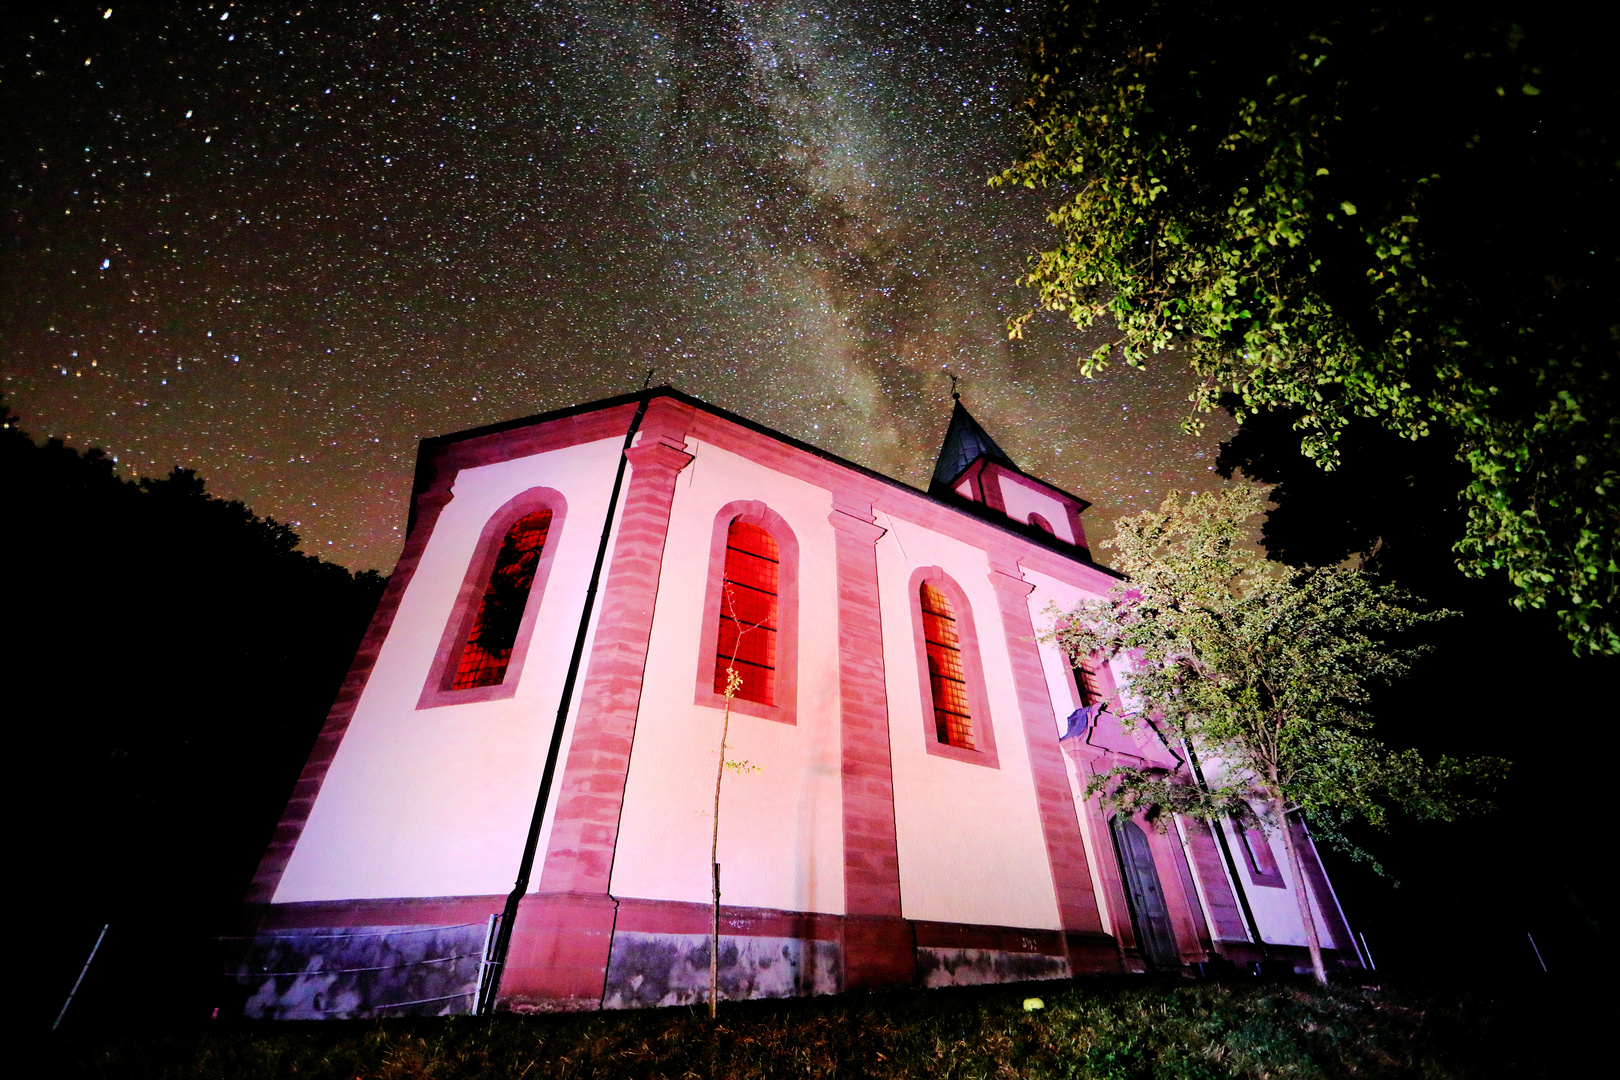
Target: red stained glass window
pixel 748 606
pixel 953 720
pixel 488 649
pixel 1085 677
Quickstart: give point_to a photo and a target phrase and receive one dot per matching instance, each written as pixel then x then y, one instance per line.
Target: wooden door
pixel 1149 915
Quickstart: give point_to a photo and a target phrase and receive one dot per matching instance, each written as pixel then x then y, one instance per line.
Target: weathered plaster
pixel 360 972
pixel 979 967
pixel 649 970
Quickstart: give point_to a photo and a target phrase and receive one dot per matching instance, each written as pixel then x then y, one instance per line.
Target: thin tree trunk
pixel 733 684
pixel 1302 895
pixel 714 850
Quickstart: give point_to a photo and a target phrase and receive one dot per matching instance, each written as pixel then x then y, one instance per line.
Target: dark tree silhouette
pixel 172 656
pixel 1499 681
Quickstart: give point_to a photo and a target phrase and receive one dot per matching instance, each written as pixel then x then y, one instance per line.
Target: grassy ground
pixel 1108 1031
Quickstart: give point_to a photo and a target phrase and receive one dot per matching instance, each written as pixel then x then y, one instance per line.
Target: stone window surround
pixel 984 730
pixel 753 512
pixel 436 692
pixel 1258 858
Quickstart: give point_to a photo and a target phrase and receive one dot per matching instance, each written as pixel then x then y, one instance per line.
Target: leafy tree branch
pixel 1396 212
pixel 1268 674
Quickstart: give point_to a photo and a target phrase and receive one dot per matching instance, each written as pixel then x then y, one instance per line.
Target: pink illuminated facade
pixel 917 814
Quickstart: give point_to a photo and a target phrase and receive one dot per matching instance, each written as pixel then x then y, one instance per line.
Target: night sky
pixel 280 243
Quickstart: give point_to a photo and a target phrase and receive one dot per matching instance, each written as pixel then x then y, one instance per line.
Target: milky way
pixel 280 243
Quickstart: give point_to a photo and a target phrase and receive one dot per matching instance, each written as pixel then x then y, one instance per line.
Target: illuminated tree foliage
pixel 1350 210
pixel 1266 672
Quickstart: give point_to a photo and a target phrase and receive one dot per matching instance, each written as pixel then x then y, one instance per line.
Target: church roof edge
pixel 946 497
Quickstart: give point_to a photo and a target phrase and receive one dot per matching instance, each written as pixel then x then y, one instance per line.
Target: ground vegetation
pixel 1096 1030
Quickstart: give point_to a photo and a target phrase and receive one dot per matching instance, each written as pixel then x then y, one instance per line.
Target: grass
pixel 1101 1030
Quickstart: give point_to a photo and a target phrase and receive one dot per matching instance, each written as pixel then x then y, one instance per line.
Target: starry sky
pixel 282 242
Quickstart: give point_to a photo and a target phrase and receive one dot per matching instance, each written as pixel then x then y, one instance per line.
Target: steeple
pixel 965 442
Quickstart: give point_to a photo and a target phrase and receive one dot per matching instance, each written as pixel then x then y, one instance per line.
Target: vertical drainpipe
pixel 491 982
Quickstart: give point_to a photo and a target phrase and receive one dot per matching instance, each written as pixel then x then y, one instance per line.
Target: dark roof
pixel 965 442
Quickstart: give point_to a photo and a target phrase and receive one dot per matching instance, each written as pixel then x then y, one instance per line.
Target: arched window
pixel 746 639
pixel 955 707
pixel 1087 679
pixel 947 678
pixel 1256 849
pixel 1041 524
pixel 751 612
pixel 486 639
pixel 488 649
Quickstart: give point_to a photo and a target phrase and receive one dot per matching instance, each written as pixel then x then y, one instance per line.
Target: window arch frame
pixel 1255 843
pixel 967 638
pixel 1101 669
pixel 437 692
pixel 754 512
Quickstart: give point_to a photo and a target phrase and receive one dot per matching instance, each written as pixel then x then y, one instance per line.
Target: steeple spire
pixel 965 442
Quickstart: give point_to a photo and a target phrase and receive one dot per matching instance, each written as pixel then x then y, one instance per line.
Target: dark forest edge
pixel 174 656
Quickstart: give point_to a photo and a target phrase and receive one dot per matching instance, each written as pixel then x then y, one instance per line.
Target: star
pixel 282 244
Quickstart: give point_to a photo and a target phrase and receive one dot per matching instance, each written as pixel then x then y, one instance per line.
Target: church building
pixel 511 804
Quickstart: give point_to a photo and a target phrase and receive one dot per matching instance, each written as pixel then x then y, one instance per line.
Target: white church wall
pixel 436 802
pixel 969 837
pixel 1023 499
pixel 781 828
pixel 1275 910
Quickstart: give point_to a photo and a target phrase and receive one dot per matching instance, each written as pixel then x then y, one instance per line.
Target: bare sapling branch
pixel 733 684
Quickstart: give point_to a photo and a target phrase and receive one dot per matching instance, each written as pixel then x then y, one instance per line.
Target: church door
pixel 1149 915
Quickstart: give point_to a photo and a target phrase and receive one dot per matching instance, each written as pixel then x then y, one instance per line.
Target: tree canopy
pixel 1348 210
pixel 1265 671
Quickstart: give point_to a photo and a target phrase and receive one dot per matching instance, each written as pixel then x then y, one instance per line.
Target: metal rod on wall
pixel 94 948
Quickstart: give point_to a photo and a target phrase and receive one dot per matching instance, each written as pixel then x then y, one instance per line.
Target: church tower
pixel 975 474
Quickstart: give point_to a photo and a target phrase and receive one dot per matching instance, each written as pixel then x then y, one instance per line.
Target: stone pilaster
pixel 562 936
pixel 879 946
pixel 1089 946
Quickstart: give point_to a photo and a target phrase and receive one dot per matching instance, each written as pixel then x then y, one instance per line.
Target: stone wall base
pixel 576 953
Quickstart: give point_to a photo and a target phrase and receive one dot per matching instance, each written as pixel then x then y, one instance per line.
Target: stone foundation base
pixel 578 953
